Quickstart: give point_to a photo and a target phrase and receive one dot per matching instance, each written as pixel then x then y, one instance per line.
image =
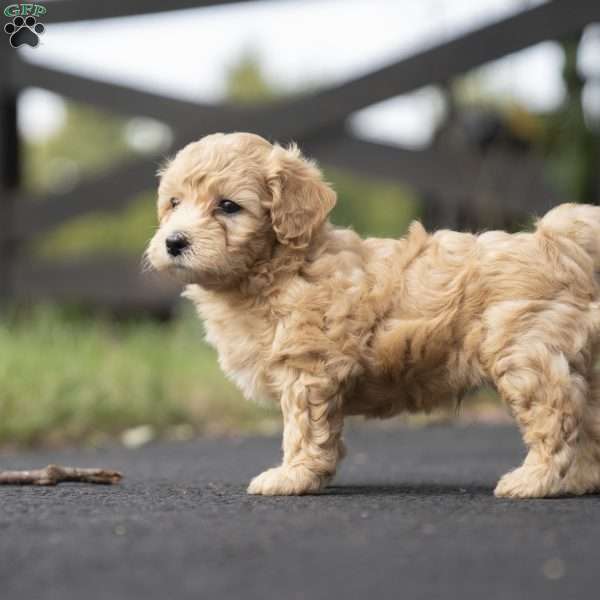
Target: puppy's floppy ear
pixel 300 199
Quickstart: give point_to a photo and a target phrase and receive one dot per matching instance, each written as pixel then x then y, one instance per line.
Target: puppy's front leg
pixel 312 446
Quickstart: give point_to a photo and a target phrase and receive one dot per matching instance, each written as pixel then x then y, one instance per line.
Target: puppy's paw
pixel 286 481
pixel 527 482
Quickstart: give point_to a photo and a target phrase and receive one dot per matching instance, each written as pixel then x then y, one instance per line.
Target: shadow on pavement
pixel 425 489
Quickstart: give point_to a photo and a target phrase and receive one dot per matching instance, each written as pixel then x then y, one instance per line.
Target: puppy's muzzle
pixel 176 243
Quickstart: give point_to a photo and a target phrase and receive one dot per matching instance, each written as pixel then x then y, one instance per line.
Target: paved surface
pixel 411 515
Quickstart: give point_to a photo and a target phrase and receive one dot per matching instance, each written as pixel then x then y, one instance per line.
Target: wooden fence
pixel 317 121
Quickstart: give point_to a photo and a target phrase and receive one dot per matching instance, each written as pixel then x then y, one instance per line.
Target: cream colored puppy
pixel 327 324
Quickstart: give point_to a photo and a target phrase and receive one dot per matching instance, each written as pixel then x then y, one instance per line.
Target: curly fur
pixel 327 324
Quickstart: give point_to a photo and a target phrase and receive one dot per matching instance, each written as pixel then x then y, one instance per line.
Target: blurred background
pixel 469 115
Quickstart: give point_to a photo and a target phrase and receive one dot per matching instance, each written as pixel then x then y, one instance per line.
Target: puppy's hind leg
pixel 312 445
pixel 548 399
pixel 584 474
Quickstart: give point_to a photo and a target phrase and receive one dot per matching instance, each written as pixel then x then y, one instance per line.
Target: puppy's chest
pixel 242 343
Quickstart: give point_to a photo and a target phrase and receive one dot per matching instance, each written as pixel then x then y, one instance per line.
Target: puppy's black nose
pixel 176 243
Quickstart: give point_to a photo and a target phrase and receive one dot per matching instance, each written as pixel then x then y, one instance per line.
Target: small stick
pixel 54 474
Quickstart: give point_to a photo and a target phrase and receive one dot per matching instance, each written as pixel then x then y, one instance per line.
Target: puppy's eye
pixel 174 202
pixel 229 206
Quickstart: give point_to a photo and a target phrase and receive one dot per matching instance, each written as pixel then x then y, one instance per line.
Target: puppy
pixel 327 324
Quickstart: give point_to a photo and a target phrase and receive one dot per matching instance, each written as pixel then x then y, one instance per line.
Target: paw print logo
pixel 24 31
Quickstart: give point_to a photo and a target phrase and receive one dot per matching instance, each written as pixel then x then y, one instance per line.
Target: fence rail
pixel 317 121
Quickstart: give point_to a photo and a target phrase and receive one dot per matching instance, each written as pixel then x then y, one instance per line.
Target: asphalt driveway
pixel 411 515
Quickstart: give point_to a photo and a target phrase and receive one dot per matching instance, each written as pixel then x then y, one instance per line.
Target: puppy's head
pixel 225 201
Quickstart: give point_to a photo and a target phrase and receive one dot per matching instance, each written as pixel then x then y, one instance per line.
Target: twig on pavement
pixel 54 474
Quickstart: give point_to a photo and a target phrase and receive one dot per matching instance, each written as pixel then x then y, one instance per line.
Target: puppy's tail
pixel 578 222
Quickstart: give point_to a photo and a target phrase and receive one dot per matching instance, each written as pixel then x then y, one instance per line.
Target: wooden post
pixel 9 164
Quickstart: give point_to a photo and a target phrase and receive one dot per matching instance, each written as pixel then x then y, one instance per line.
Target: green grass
pixel 65 377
